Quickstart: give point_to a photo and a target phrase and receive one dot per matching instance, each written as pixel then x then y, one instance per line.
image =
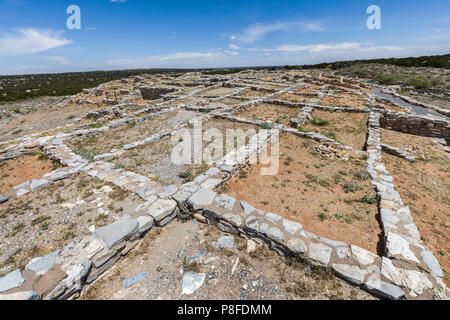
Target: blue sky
pixel 118 34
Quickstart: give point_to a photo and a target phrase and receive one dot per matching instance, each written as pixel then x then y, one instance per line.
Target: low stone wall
pixel 397 152
pixel 302 117
pixel 417 125
pixel 155 93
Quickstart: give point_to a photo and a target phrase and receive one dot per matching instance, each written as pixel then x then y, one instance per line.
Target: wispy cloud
pixel 30 41
pixel 331 47
pixel 257 31
pixel 58 59
pixel 168 59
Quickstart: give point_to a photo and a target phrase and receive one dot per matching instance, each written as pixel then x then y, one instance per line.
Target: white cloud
pixel 234 47
pixel 173 59
pixel 257 31
pixel 30 41
pixel 58 59
pixel 329 47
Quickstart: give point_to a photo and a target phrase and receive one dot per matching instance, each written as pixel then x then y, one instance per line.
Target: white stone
pixel 363 256
pixel 350 273
pixel 397 245
pixel 161 209
pixel 320 254
pixel 416 281
pixel 192 282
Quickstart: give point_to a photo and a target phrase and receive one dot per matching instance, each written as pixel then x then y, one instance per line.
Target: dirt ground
pixel 295 98
pixel 259 275
pixel 254 94
pixel 347 128
pixel 422 148
pixel 424 186
pixel 219 92
pixel 41 119
pixel 155 160
pixel 49 218
pixel 342 102
pixel 17 171
pixel 231 101
pixel 269 112
pixel 329 197
pixel 118 137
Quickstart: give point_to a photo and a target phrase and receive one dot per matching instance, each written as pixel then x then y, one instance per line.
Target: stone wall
pixel 417 125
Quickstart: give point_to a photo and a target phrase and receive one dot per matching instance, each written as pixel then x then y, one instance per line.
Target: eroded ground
pixel 231 273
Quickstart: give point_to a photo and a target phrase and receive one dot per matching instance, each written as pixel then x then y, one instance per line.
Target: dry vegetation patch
pixel 423 148
pixel 155 160
pixel 254 94
pixel 51 217
pixel 330 197
pixel 118 137
pixel 270 112
pixel 342 102
pixel 295 98
pixel 347 128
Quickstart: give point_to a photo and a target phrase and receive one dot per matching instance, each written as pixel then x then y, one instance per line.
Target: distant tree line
pixel 441 61
pixel 13 88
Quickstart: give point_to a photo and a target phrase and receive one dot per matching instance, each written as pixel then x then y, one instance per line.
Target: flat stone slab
pixel 350 273
pixel 161 209
pixel 320 254
pixel 192 282
pixel 202 198
pixel 168 191
pixel 225 201
pixel 145 223
pixel 117 232
pixel 131 281
pixel 42 265
pixel 20 296
pixel 431 261
pixel 37 184
pixel 196 257
pixel 11 281
pixel 224 242
pixel 384 289
pixel 3 199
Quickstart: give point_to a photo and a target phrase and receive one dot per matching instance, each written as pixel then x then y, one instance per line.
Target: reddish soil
pixel 17 171
pixel 310 189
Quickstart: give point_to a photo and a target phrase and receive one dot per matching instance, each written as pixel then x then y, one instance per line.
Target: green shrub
pixel 319 122
pixel 419 83
pixel 86 154
pixel 186 176
pixel 267 126
pixel 351 187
